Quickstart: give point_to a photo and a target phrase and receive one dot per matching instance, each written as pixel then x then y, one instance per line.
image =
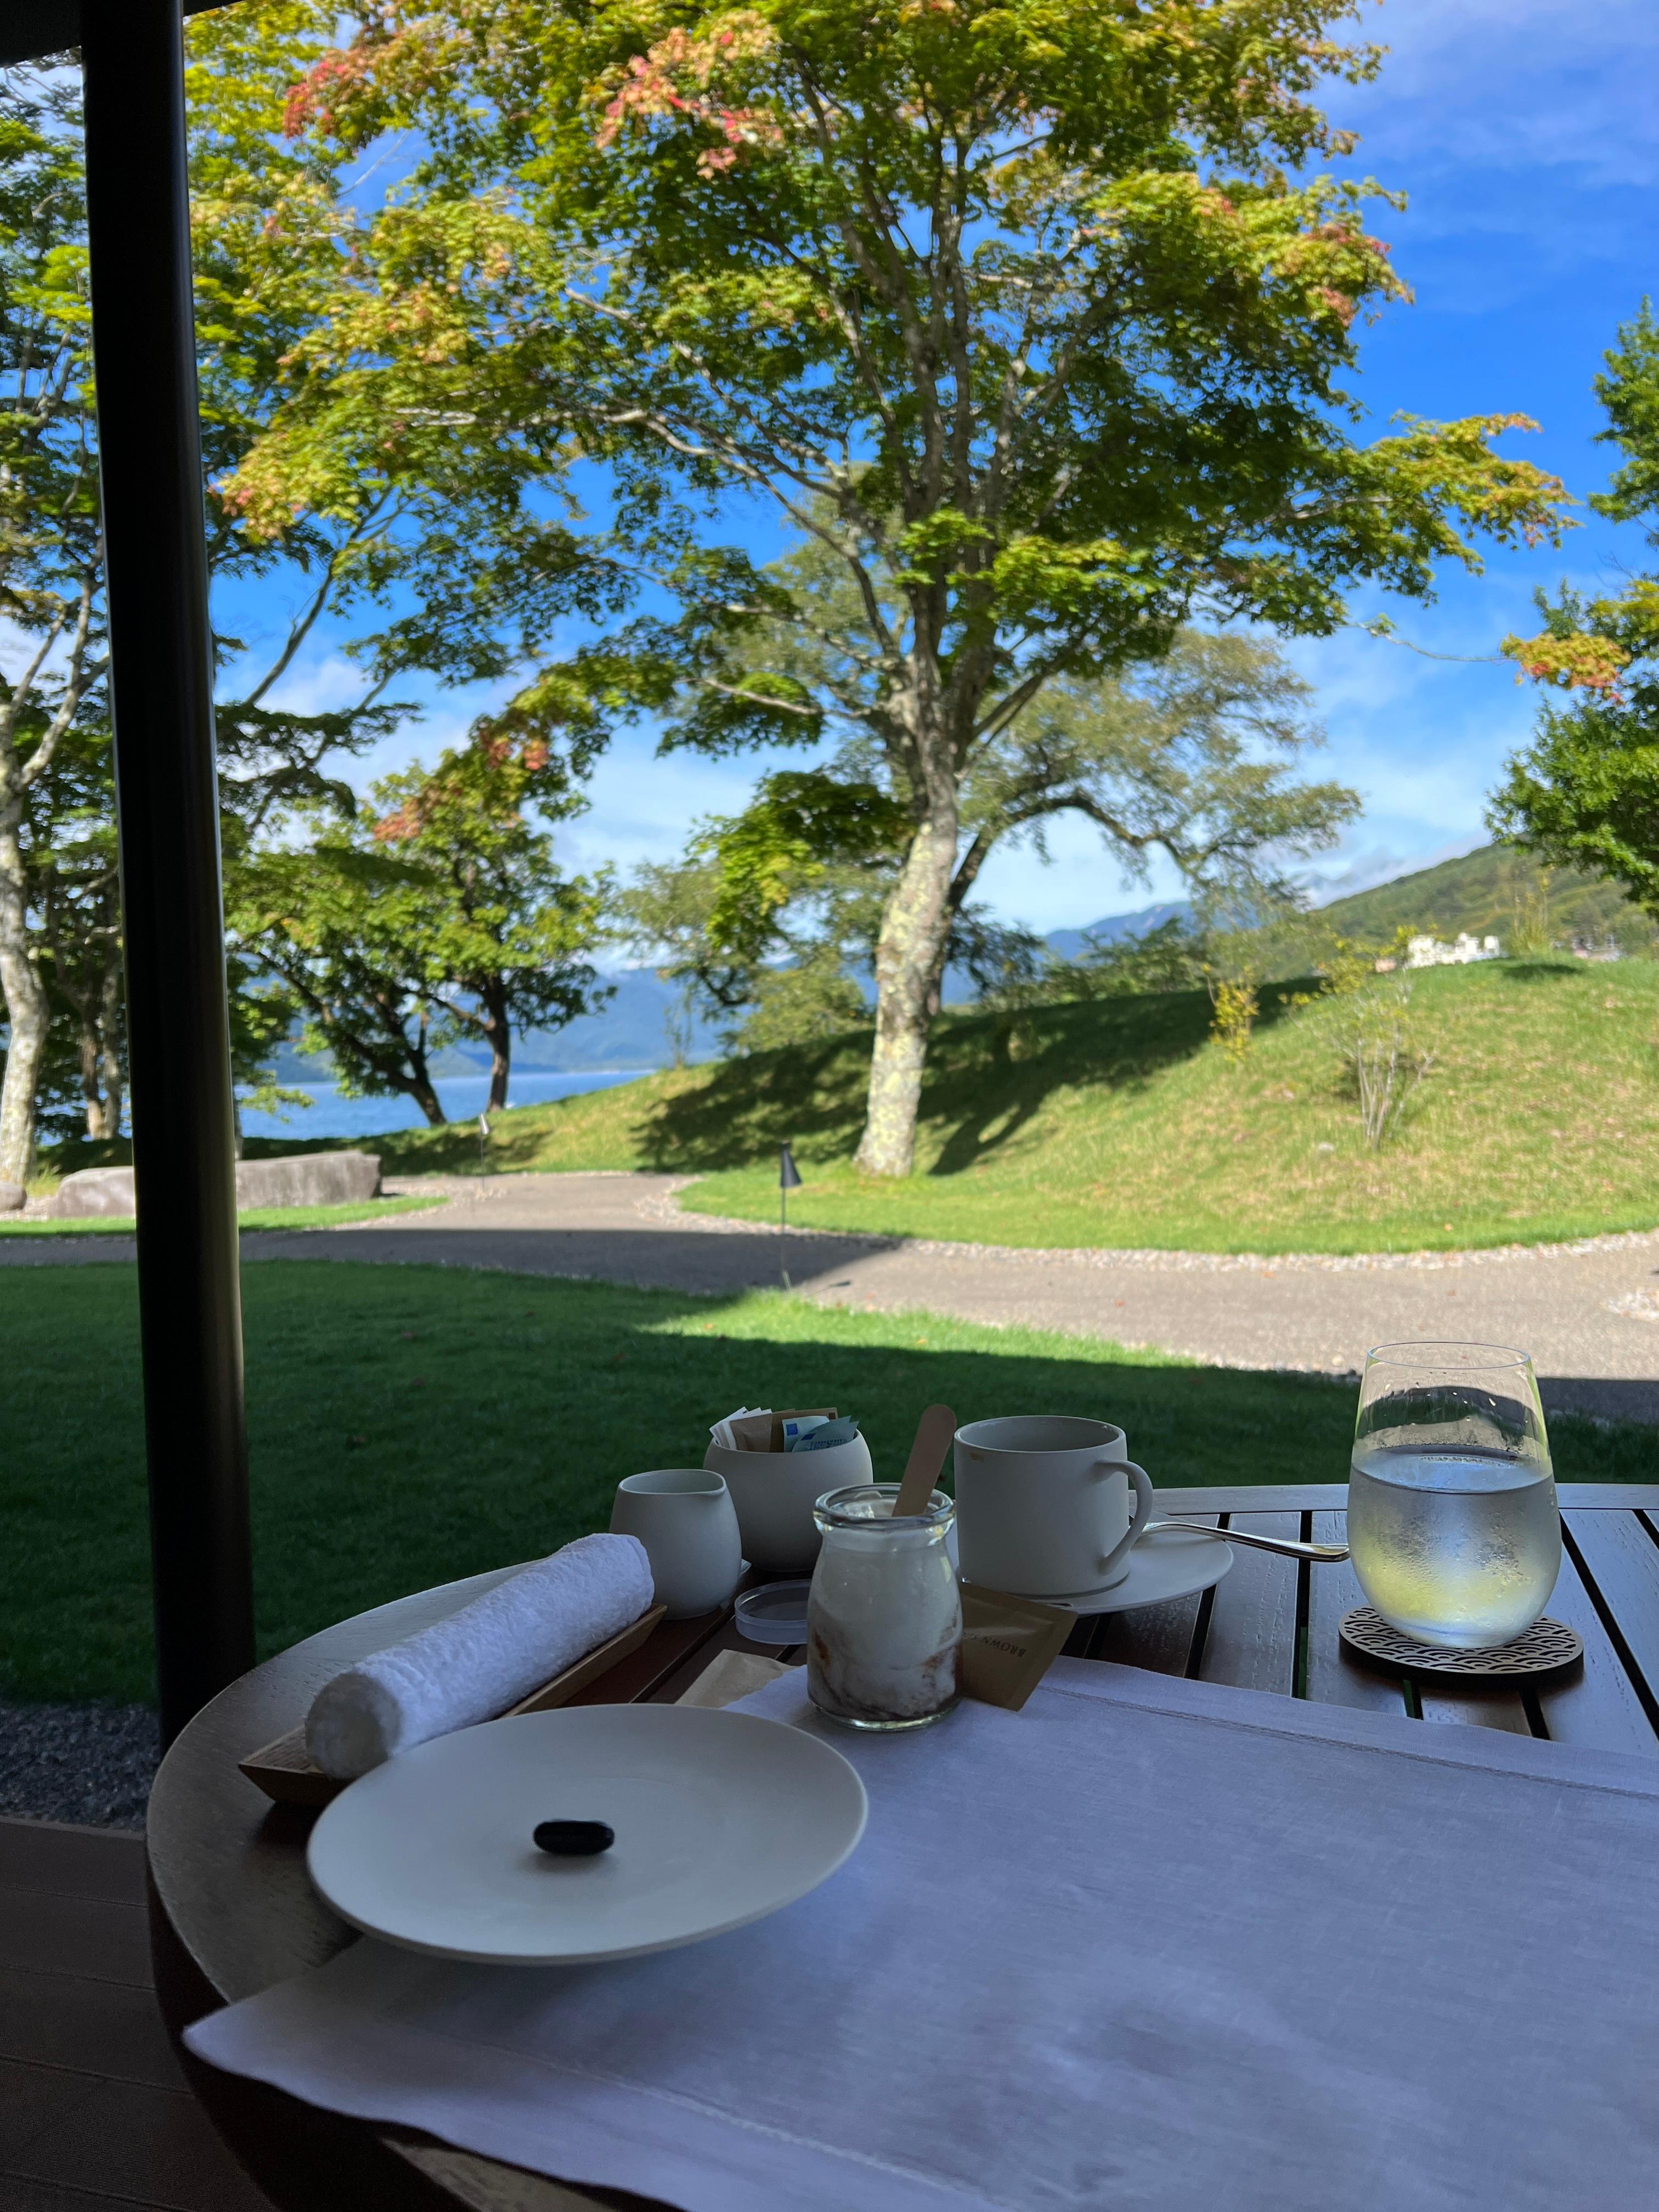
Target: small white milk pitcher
pixel 685 1517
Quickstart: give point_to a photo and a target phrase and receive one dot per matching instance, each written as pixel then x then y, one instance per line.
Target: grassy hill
pixel 1484 892
pixel 1118 1122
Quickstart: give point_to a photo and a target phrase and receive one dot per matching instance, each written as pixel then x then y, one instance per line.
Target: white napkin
pixel 481 1659
pixel 1149 1946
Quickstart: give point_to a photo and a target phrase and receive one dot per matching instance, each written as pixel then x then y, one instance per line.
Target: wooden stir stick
pixel 933 1433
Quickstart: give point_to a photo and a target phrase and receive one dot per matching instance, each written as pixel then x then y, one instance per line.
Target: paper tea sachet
pixel 753 1431
pixel 724 1433
pixel 1008 1644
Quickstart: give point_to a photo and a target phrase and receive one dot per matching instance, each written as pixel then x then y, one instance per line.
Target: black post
pixel 167 803
pixel 788 1180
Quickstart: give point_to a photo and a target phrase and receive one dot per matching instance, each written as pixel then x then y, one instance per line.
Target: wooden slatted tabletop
pixel 231 1910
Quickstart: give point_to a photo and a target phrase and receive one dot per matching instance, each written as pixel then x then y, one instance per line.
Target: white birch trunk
pixel 27 1012
pixel 909 955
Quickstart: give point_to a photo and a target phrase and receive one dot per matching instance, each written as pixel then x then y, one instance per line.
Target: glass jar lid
pixel 860 1505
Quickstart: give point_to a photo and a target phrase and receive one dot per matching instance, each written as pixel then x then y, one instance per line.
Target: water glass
pixel 1452 1526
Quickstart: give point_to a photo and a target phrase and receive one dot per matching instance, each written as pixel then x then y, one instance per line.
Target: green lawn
pixel 1118 1122
pixel 256 1217
pixel 408 1424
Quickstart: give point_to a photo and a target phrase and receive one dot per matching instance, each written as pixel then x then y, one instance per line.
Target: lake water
pixel 462 1097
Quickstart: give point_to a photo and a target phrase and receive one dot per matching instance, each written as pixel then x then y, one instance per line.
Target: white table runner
pixel 1149 1945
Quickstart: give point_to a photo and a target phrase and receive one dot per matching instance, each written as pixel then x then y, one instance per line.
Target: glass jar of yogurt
pixel 883 1620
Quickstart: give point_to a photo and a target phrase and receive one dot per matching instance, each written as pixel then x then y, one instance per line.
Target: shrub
pixel 1382 1060
pixel 1235 1009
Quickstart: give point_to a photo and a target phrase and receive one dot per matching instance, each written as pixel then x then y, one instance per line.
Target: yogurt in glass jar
pixel 883 1620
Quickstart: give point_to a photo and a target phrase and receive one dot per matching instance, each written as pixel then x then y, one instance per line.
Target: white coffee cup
pixel 1043 1504
pixel 685 1517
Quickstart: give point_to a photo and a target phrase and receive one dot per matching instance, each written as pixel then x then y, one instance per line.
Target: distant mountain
pixel 1111 929
pixel 1483 893
pixel 1480 893
pixel 629 1032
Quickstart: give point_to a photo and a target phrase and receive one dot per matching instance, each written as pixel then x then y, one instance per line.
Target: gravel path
pixel 1589 1312
pixel 89 1764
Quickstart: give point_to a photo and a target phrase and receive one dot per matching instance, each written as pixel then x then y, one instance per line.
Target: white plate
pixel 1171 1565
pixel 720 1818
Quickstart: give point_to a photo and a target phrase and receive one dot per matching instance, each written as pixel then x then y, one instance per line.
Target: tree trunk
pixel 99 1047
pixel 420 1088
pixel 909 953
pixel 498 1035
pixel 426 1098
pixel 27 1016
pixel 92 1095
pixel 109 1022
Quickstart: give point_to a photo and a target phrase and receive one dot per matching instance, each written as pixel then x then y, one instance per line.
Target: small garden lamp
pixel 788 1180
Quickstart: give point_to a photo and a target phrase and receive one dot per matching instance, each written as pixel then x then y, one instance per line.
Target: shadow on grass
pixel 987 1077
pixel 1541 971
pixel 409 1424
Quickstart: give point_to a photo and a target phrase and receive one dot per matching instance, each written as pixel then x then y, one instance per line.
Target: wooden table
pixel 231 1910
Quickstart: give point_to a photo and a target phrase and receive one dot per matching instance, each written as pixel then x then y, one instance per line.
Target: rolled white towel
pixel 481 1660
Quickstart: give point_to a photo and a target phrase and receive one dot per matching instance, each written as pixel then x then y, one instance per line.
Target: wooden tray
pixel 285 1772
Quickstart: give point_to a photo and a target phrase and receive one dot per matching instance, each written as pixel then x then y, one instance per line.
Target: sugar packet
pixel 823 1435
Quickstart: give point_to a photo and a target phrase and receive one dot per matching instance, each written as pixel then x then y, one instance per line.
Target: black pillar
pixel 178 1024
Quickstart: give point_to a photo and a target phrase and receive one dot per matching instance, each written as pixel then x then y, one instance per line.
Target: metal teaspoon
pixel 1327 1554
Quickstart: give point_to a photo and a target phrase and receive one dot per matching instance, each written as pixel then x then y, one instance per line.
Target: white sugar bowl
pixel 775 1493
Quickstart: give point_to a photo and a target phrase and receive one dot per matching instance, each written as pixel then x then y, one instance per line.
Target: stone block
pixel 309 1179
pixel 94 1194
pixel 12 1195
pixel 302 1179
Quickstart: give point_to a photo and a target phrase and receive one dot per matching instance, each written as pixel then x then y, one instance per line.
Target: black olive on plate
pixel 573 1840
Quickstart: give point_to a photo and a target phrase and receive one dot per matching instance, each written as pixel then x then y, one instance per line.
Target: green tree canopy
pixel 1194 755
pixel 52 660
pixel 1029 318
pixel 393 550
pixel 1586 791
pixel 437 916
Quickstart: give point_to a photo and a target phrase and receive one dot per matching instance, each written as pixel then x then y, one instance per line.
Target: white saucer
pixel 1171 1565
pixel 720 1818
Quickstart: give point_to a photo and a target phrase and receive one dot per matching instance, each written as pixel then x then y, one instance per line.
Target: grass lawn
pixel 256 1217
pixel 408 1424
pixel 1118 1122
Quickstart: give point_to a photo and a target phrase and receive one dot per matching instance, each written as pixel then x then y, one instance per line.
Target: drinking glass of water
pixel 1453 1527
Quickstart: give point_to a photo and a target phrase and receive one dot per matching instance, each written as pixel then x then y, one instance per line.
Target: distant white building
pixel 1430 952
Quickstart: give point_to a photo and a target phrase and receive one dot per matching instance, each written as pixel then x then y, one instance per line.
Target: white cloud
pixel 1378 864
pixel 1480 87
pixel 643 806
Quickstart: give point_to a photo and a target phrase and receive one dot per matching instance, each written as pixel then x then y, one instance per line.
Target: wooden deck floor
pixel 93 2110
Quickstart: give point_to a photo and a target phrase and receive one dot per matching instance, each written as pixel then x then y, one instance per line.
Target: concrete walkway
pixel 1589 1312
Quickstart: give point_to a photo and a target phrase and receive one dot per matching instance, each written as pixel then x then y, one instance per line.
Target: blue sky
pixel 1526 134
